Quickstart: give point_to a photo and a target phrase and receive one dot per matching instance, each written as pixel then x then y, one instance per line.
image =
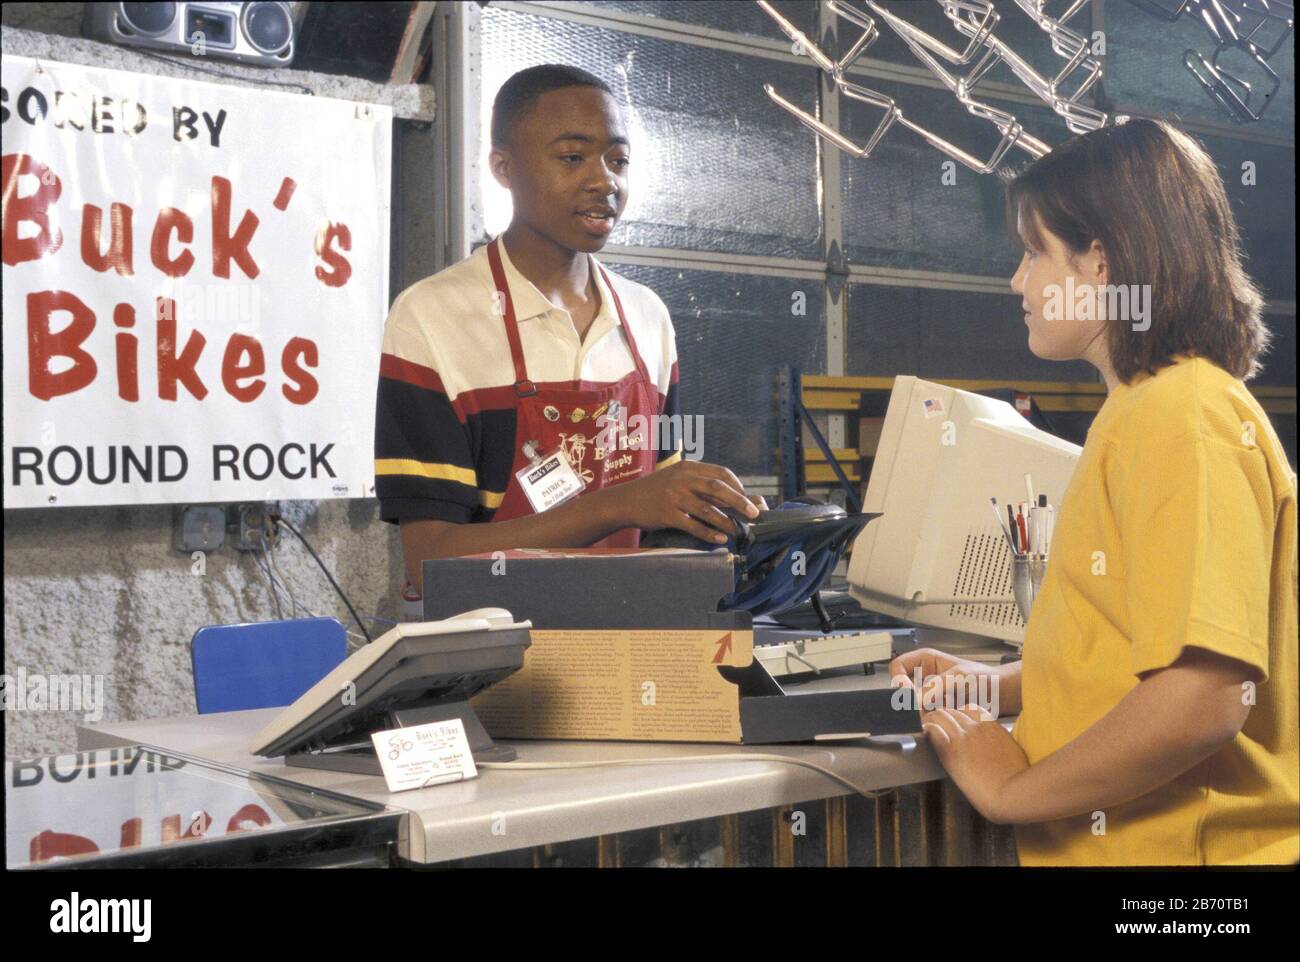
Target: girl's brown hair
pixel 1152 197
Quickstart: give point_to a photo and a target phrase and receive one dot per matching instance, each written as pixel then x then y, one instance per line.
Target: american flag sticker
pixel 933 407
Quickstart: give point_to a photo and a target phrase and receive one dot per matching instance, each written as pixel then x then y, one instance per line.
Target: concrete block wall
pixel 101 592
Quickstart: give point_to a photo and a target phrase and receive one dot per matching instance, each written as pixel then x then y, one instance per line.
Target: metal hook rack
pixel 982 18
pixel 1233 25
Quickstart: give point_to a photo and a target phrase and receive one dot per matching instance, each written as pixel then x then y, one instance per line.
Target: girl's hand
pixel 940 673
pixel 981 757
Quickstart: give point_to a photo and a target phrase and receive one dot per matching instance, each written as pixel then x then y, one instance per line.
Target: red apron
pixel 551 417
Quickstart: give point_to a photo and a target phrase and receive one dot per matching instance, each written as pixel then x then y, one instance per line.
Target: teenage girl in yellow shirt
pixel 1157 693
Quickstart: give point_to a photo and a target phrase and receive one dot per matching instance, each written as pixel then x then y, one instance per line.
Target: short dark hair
pixel 518 94
pixel 1152 197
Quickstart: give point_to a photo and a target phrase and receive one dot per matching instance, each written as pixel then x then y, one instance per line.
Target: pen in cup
pixel 1029 525
pixel 1001 527
pixel 1029 534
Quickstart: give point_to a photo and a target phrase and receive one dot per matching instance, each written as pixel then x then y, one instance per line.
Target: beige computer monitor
pixel 936 556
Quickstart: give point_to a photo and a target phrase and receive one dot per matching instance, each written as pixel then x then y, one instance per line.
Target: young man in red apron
pixel 513 384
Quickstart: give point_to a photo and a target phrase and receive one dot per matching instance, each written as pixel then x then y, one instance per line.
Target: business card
pixel 425 755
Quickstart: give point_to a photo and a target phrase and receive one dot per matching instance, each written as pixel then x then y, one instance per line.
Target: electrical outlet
pixel 198 527
pixel 248 525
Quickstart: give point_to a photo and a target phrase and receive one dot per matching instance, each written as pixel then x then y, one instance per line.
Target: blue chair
pixel 265 664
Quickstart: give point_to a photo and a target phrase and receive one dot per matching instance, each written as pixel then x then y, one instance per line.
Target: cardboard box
pixel 629 645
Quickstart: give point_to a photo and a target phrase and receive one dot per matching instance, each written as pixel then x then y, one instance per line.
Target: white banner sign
pixel 195 285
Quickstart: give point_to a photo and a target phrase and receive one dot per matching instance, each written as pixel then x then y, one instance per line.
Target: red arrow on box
pixel 724 648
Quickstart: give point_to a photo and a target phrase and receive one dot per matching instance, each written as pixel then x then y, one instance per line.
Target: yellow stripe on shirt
pixel 671 459
pixel 439 472
pixel 424 469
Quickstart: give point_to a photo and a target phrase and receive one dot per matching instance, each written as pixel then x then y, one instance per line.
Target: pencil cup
pixel 1026 579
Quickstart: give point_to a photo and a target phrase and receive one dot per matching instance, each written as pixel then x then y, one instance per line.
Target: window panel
pixel 733 331
pixel 730 15
pixel 899 212
pixel 1265 211
pixel 716 166
pixel 940 333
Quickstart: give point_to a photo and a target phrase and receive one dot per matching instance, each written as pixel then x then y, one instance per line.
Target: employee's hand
pixel 981 757
pixel 941 674
pixel 685 496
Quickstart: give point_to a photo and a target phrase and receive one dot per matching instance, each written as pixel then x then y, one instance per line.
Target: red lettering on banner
pixel 170 219
pixel 287 187
pixel 128 374
pixel 51 845
pixel 226 246
pixel 250 816
pixel 170 251
pixel 341 270
pixel 232 371
pixel 118 255
pixel 48 845
pixel 43 345
pixel 173 367
pixel 176 364
pixel 32 209
pixel 307 387
pixel 132 829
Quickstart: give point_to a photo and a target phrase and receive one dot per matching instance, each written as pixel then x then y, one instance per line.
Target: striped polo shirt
pixel 445 411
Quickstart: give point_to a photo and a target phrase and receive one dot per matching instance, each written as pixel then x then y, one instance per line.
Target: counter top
pixel 503 810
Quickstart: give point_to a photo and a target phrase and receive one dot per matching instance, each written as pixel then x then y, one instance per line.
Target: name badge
pixel 549 481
